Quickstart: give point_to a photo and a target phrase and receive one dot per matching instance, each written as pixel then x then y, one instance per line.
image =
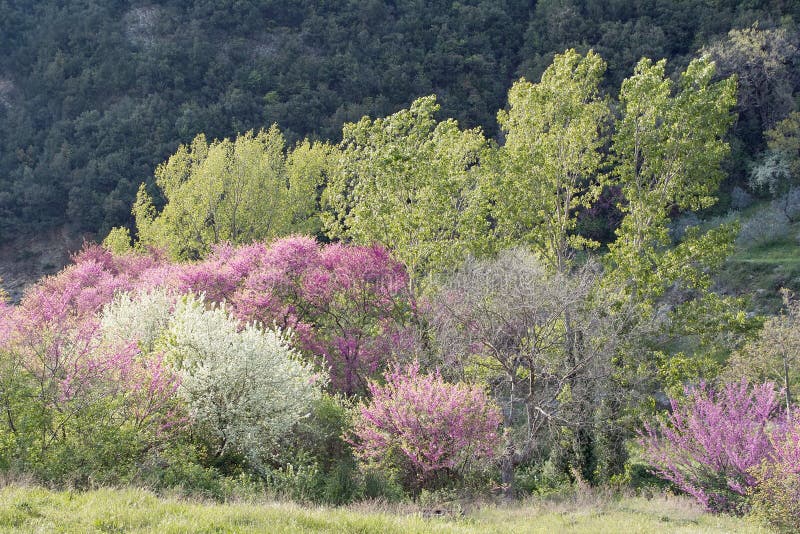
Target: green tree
pixel 784 139
pixel 308 166
pixel 118 240
pixel 238 191
pixel 554 135
pixel 666 152
pixel 413 185
pixel 549 170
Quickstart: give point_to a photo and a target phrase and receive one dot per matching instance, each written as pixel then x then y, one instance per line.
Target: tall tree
pixel 548 171
pixel 412 185
pixel 239 191
pixel 503 321
pixel 667 151
pixel 554 135
pixel 773 356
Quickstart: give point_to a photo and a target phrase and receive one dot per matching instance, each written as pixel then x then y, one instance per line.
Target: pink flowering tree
pixel 712 440
pixel 426 425
pixel 69 397
pixel 348 307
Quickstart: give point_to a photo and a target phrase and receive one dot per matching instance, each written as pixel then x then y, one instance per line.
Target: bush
pixel 789 204
pixel 770 173
pixel 348 306
pixel 245 387
pixel 426 427
pixel 775 497
pixel 740 199
pixel 764 228
pixel 77 409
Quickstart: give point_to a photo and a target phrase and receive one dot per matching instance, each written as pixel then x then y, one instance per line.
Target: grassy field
pixel 33 509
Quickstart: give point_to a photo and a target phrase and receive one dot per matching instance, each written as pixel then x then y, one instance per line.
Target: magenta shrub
pixel 712 440
pixel 435 426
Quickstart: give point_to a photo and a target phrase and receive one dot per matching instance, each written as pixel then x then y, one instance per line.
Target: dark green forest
pixel 93 95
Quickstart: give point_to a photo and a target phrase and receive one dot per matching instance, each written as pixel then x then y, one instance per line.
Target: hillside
pixel 93 95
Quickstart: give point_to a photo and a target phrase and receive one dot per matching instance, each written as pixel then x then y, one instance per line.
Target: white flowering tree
pixel 142 317
pixel 244 387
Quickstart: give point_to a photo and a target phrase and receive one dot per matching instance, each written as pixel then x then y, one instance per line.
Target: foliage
pixel 764 60
pixel 141 318
pixel 435 427
pixel 784 139
pixel 118 240
pixel 710 442
pixel 412 185
pixel 740 199
pixel 230 191
pixel 77 406
pixel 551 157
pixel 774 355
pixel 667 150
pixel 93 95
pixel 771 174
pixel 775 497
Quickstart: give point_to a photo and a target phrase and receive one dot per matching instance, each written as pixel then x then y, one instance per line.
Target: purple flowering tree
pixel 433 427
pixel 348 305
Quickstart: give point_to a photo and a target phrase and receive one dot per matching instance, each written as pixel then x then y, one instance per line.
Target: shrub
pixel 740 199
pixel 789 204
pixel 775 497
pixel 244 386
pixel 429 427
pixel 77 408
pixel 765 228
pixel 709 443
pixel 771 173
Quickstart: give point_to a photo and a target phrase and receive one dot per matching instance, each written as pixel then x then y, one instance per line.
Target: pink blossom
pixel 712 440
pixel 435 425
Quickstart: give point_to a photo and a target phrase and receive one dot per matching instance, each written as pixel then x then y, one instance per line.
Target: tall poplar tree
pixel 667 151
pixel 554 134
pixel 412 184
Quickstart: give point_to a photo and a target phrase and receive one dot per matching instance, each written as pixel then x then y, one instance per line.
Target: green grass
pixel 33 509
pixel 761 271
